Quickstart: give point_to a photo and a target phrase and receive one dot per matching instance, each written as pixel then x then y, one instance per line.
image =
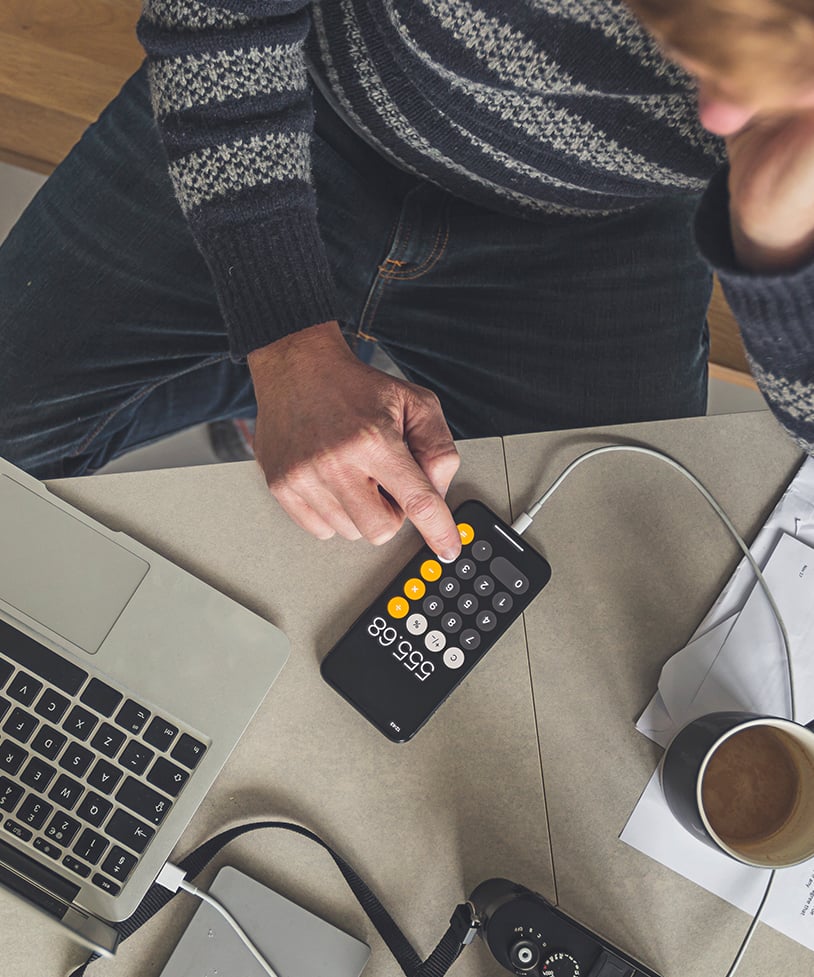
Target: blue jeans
pixel 110 335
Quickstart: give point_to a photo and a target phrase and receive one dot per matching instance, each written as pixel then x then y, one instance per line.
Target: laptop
pixel 125 683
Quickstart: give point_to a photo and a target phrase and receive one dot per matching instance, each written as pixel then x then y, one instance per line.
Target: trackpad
pixel 59 571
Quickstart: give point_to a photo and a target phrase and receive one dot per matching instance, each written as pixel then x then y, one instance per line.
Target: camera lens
pixel 524 955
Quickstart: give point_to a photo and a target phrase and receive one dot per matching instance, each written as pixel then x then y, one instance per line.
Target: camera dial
pixel 560 965
pixel 524 954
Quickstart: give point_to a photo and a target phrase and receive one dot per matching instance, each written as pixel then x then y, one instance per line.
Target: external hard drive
pixel 294 941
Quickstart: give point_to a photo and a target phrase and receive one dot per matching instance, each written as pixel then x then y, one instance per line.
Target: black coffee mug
pixel 743 783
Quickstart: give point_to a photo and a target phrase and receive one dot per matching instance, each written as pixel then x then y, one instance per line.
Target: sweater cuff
pixel 775 311
pixel 271 278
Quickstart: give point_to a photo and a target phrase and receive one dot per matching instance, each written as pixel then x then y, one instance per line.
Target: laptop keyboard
pixel 87 774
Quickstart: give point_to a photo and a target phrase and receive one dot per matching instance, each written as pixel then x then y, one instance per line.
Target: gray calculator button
pixel 416 624
pixel 465 568
pixel 481 549
pixel 484 585
pixel 486 620
pixel 508 574
pixel 502 602
pixel 453 658
pixel 449 587
pixel 432 606
pixel 467 603
pixel 451 623
pixel 469 638
pixel 435 641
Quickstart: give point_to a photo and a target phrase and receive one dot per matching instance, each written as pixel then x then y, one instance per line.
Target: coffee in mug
pixel 744 783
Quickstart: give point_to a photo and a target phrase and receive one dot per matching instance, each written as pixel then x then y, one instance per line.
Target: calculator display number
pixel 402 649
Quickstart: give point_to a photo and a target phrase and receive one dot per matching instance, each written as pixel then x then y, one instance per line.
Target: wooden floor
pixel 61 61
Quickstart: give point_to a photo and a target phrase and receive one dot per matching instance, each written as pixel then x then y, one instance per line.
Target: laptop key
pixel 10 794
pixel 106 884
pixel 37 774
pixel 129 830
pixel 80 723
pixel 48 742
pixel 33 811
pixel 108 740
pixel 40 660
pixel 119 863
pixel 100 697
pixel 20 725
pixel 104 776
pixel 6 668
pixel 66 791
pixel 143 800
pixel 12 757
pixel 132 716
pixel 167 776
pixel 76 759
pixel 17 830
pixel 5 705
pixel 62 828
pixel 47 848
pixel 76 866
pixel 24 688
pixel 160 733
pixel 188 751
pixel 90 846
pixel 52 705
pixel 93 809
pixel 136 757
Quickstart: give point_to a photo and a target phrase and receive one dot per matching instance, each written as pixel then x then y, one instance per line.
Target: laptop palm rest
pixel 60 572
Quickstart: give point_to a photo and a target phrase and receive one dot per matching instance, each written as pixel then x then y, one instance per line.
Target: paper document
pixel 794 514
pixel 736 660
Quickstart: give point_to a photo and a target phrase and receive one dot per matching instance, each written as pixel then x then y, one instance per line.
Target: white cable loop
pixel 523 521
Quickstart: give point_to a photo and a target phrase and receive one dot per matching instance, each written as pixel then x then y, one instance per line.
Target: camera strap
pixel 463 924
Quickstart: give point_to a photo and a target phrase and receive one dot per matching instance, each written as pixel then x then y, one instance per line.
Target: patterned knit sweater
pixel 526 106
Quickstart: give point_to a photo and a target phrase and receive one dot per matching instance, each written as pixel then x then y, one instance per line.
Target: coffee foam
pixel 752 786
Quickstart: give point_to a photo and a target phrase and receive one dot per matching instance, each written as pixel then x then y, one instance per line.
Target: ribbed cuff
pixel 272 279
pixel 775 311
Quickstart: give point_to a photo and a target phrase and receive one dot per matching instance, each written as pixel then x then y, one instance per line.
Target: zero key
pixel 508 574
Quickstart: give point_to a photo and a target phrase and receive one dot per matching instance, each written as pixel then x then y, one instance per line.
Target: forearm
pixel 232 102
pixel 775 310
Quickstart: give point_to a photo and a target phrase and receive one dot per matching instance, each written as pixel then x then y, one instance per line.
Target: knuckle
pixel 419 506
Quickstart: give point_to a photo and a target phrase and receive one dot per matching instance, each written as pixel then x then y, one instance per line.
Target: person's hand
pixel 331 430
pixel 771 191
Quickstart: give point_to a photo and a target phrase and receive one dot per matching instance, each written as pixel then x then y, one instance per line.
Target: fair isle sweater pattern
pixel 532 107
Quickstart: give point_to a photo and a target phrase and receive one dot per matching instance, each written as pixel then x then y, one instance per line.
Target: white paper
pixel 736 660
pixel 790 907
pixel 793 514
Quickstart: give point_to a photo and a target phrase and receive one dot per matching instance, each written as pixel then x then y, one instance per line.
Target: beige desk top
pixel 637 559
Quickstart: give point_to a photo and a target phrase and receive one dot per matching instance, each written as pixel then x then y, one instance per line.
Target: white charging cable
pixel 173 878
pixel 524 520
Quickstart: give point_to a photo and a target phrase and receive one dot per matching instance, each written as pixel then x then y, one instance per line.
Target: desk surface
pixel 637 560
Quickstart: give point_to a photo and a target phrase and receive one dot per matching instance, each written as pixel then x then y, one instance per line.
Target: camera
pixel 530 937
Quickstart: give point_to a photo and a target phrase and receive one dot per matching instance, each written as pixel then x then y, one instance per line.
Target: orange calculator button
pixel 431 570
pixel 398 607
pixel 414 589
pixel 467 533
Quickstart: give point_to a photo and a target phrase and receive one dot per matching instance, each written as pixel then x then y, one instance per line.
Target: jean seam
pixel 435 255
pixel 398 245
pixel 141 394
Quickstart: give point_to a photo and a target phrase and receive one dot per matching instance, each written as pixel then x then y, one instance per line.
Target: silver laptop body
pixel 148 675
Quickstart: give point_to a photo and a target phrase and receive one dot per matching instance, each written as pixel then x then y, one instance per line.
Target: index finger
pixel 403 478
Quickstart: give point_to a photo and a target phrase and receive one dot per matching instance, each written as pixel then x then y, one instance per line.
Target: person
pixel 502 195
